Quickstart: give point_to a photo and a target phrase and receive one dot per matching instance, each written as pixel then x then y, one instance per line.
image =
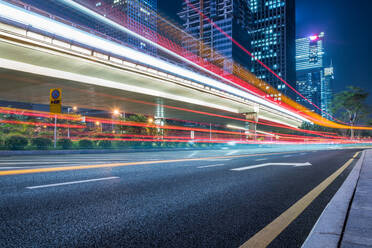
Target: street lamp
pixel 74 108
pixel 116 112
pixel 99 125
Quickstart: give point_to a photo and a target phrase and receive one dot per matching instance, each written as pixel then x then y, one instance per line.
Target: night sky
pixel 347 25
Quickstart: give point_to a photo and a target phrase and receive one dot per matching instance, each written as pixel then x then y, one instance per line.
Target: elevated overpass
pixel 38 53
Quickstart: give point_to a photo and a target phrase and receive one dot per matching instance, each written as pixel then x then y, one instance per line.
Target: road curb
pixel 328 229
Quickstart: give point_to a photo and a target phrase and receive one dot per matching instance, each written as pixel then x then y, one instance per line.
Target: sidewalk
pixel 358 229
pixel 346 222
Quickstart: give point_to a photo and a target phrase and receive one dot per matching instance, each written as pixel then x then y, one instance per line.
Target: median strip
pixel 264 237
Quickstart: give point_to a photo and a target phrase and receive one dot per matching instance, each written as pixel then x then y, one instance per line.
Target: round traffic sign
pixel 55 94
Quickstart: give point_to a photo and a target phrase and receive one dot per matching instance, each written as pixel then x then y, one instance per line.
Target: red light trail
pixel 256 59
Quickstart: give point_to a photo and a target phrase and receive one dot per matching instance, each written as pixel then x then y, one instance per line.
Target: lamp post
pixel 115 113
pixel 74 108
pixel 99 125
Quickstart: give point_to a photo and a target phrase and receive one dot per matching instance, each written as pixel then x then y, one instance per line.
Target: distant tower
pixel 314 79
pixel 327 89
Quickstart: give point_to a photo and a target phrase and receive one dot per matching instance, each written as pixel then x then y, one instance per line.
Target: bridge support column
pixel 159 117
pixel 252 117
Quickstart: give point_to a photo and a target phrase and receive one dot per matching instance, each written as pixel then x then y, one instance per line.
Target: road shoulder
pixel 328 231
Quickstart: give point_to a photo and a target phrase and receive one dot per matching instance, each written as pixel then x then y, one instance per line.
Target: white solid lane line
pixel 261 159
pixel 209 166
pixel 232 152
pixel 219 159
pixel 68 183
pixel 7 168
pixel 34 163
pixel 270 164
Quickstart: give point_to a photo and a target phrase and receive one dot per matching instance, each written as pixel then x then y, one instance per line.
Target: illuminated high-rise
pixel 138 14
pixel 230 15
pixel 314 77
pixel 273 41
pixel 264 27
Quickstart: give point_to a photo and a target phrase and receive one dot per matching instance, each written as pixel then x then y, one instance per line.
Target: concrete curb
pixel 358 228
pixel 327 231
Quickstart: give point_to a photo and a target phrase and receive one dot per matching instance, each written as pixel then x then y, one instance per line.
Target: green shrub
pixel 104 144
pixel 135 143
pixel 121 144
pixel 85 144
pixel 154 144
pixel 15 142
pixel 41 143
pixel 64 143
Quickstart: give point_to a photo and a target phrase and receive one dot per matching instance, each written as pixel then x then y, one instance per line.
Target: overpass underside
pixel 31 64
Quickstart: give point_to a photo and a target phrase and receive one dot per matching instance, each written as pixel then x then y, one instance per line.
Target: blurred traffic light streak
pixel 204 17
pixel 260 88
pixel 228 78
pixel 86 130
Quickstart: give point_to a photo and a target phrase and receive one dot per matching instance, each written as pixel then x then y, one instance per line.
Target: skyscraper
pixel 273 40
pixel 264 27
pixel 314 78
pixel 326 90
pixel 230 15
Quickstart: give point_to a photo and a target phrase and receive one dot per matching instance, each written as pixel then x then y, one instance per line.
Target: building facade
pixel 266 28
pixel 313 76
pixel 232 16
pixel 138 14
pixel 326 90
pixel 273 41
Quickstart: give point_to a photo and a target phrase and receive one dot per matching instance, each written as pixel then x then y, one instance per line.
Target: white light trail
pixel 19 15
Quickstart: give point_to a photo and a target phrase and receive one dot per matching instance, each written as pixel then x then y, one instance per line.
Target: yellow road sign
pixel 55 100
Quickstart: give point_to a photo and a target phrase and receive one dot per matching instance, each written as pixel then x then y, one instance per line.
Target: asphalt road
pixel 162 199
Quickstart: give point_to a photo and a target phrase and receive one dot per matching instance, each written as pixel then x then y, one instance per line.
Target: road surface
pixel 162 199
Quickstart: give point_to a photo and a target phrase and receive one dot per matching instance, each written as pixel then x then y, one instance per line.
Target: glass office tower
pixel 314 77
pixel 232 16
pixel 266 28
pixel 273 41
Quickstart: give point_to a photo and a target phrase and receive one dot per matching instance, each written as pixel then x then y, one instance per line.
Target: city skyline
pixel 317 16
pixel 131 123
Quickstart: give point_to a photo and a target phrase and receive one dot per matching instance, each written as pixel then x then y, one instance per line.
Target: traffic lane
pixel 67 160
pixel 296 233
pixel 9 184
pixel 75 160
pixel 214 207
pixel 136 173
pixel 8 162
